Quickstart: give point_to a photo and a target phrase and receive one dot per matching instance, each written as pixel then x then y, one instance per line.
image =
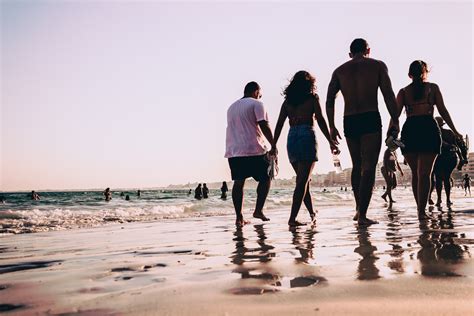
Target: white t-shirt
pixel 243 135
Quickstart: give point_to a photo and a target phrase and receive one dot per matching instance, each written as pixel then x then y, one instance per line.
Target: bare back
pixel 359 80
pixel 302 113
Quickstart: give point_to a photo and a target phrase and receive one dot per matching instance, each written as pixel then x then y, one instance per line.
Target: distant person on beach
pixel 389 172
pixel 139 193
pixel 445 163
pixel 35 196
pixel 224 190
pixel 122 194
pixel 247 128
pixel 205 191
pixel 466 184
pixel 107 194
pixel 420 133
pixel 2 200
pixel 190 191
pixel 198 192
pixel 127 197
pixel 359 80
pixel 301 106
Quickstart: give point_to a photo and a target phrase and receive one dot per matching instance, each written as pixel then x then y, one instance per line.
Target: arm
pixel 279 125
pixel 389 97
pixel 266 130
pixel 322 124
pixel 400 103
pixel 442 109
pixel 398 166
pixel 333 89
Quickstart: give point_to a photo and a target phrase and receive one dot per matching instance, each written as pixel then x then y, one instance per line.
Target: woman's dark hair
pixel 300 88
pixel 418 70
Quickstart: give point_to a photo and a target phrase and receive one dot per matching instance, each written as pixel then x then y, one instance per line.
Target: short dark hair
pixel 251 87
pixel 359 45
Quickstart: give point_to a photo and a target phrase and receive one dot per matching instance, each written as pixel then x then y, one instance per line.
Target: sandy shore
pixel 207 266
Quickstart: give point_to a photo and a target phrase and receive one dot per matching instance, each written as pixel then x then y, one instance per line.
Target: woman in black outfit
pixel 420 133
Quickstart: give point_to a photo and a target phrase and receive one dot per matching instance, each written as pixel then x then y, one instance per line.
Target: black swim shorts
pixel 360 124
pixel 256 167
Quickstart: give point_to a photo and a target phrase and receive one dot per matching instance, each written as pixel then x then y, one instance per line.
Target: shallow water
pixel 65 210
pixel 257 259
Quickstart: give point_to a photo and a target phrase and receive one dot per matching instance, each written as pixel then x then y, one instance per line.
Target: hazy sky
pixel 134 94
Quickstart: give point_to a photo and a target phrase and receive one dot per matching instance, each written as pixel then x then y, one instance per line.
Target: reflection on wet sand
pixel 261 254
pixel 304 244
pixel 440 255
pixel 366 269
pixel 394 238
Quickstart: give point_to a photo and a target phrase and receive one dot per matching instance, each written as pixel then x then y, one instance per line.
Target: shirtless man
pixel 359 80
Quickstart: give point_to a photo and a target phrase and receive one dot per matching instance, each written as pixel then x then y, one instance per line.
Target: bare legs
pixel 238 198
pixel 421 165
pixel 303 171
pixel 389 182
pixel 364 154
pixel 307 200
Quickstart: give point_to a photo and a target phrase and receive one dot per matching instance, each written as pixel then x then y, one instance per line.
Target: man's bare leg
pixel 439 188
pixel 238 200
pixel 262 193
pixel 370 151
pixel 354 151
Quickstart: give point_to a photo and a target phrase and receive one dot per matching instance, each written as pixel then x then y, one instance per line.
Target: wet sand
pixel 207 266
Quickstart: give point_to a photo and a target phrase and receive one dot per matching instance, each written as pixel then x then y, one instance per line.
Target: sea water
pixel 71 209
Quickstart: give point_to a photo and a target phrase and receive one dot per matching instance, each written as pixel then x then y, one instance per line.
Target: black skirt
pixel 421 134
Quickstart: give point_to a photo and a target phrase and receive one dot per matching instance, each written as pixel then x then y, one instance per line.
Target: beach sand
pixel 207 266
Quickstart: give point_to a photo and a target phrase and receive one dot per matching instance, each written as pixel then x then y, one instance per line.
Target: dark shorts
pixel 360 124
pixel 421 134
pixel 256 167
pixel 445 163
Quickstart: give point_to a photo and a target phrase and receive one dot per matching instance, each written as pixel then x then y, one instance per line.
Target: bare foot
pixel 384 197
pixel 356 216
pixel 423 217
pixel 295 223
pixel 393 201
pixel 449 203
pixel 366 222
pixel 241 222
pixel 261 216
pixel 313 218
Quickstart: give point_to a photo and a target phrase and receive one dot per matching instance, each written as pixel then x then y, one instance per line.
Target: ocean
pixel 73 209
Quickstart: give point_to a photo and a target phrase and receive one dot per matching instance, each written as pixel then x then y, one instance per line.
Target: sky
pixel 126 94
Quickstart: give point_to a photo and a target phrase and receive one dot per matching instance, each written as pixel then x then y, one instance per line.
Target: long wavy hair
pixel 301 86
pixel 418 71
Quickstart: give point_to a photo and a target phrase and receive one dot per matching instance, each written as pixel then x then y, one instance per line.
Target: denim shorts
pixel 302 144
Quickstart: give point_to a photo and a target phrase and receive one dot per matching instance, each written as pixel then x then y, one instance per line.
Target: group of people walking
pixel 359 80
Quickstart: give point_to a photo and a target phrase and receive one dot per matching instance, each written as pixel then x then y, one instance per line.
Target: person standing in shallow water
pixel 421 134
pixel 247 129
pixel 224 190
pixel 389 172
pixel 301 107
pixel 198 192
pixel 205 191
pixel 359 80
pixel 467 184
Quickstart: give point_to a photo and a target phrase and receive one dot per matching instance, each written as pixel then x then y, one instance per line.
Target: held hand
pixel 334 149
pixel 273 151
pixel 334 133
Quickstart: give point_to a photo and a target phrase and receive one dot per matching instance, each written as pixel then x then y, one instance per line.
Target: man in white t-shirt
pixel 247 128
